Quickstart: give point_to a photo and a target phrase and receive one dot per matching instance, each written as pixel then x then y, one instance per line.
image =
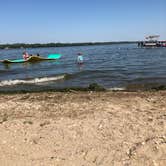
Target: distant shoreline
pixel 39 45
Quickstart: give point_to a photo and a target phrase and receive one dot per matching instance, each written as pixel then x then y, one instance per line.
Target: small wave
pixel 31 81
pixel 117 89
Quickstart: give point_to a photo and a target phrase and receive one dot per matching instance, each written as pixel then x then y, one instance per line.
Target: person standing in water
pixel 80 59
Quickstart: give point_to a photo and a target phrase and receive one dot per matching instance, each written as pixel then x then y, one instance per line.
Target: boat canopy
pixel 152 37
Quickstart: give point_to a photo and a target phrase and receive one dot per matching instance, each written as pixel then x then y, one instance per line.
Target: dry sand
pixel 83 129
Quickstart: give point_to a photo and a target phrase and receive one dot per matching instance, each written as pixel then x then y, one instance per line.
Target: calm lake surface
pixel 112 66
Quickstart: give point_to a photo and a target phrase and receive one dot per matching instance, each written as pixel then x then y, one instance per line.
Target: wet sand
pixel 83 129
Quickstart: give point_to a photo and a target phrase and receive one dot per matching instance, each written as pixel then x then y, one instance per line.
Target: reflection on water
pixel 80 66
pixel 6 66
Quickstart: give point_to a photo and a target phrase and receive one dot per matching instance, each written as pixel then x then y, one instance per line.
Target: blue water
pixel 112 66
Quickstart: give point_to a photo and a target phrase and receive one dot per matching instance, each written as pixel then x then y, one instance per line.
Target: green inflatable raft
pixel 33 58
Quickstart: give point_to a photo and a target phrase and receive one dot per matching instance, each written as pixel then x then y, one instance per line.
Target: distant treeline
pixel 37 45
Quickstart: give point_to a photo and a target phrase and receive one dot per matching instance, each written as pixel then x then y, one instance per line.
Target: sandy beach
pixel 83 129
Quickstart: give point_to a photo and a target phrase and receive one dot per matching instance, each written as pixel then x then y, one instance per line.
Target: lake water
pixel 112 66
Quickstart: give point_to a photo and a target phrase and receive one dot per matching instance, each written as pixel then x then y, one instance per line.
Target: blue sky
pixel 42 21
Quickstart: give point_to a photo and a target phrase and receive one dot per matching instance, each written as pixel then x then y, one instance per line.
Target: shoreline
pixel 47 45
pixel 83 128
pixel 14 87
pixel 90 88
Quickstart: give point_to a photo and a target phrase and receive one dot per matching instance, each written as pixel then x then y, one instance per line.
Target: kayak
pixel 33 58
